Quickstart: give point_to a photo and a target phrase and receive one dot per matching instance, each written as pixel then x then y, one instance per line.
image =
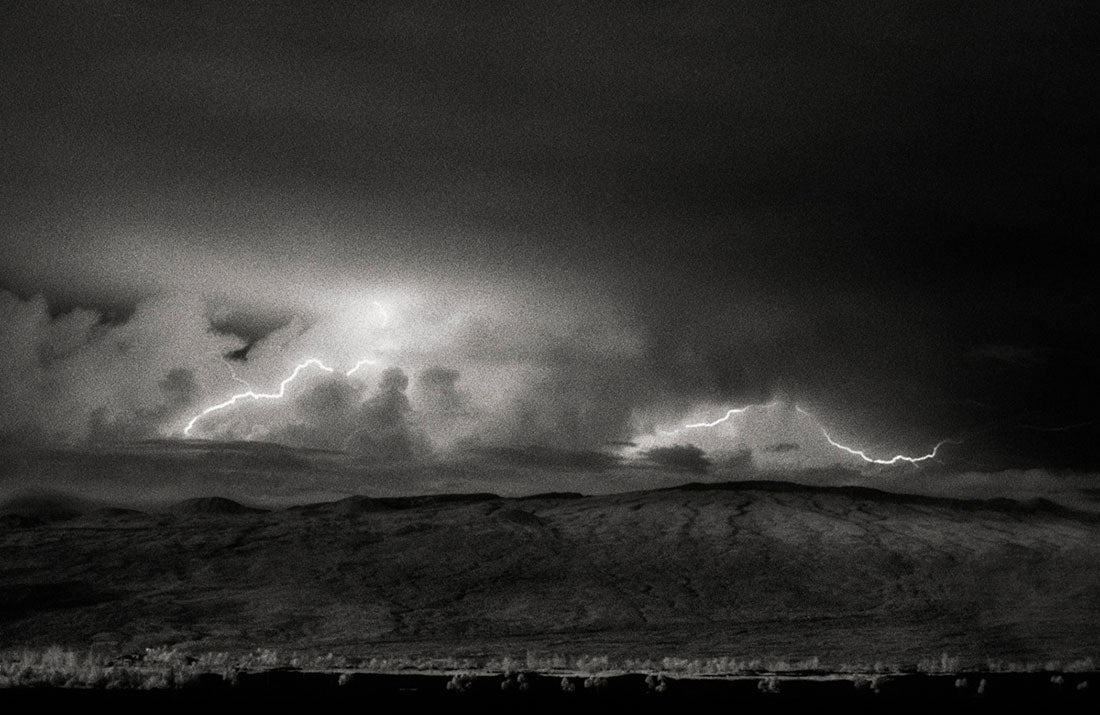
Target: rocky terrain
pixel 745 570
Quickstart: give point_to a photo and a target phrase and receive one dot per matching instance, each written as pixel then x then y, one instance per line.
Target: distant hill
pixel 41 505
pixel 743 570
pixel 213 506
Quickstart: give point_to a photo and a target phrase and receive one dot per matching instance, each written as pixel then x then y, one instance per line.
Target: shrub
pixel 460 682
pixel 943 664
pixel 595 682
pixel 768 685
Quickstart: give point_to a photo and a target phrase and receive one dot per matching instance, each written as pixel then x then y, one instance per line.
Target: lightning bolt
pixel 862 454
pixel 277 395
pixel 715 423
pixel 897 458
pixel 233 372
pixel 383 312
pixel 361 363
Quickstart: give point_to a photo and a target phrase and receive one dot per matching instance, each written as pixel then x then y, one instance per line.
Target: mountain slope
pixel 747 570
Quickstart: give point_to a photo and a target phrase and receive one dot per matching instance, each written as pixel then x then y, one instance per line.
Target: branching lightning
pixel 862 454
pixel 361 363
pixel 233 373
pixel 277 395
pixel 251 394
pixel 720 420
pixel 715 423
pixel 383 312
pixel 897 458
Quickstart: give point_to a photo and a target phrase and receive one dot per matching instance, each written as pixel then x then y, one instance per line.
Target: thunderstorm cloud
pixel 547 237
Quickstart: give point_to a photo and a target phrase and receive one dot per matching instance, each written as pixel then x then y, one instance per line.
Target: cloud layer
pixel 76 376
pixel 425 378
pixel 419 383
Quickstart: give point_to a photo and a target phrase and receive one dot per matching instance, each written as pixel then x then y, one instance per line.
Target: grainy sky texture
pixel 585 222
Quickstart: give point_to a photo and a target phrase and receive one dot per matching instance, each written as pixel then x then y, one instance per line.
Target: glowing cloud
pixel 383 313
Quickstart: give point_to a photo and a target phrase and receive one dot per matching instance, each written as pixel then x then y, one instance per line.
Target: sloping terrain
pixel 746 570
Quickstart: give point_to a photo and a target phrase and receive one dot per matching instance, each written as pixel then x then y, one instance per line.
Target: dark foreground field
pixel 282 689
pixel 713 576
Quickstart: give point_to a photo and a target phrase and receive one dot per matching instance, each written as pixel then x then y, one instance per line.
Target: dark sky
pixel 881 209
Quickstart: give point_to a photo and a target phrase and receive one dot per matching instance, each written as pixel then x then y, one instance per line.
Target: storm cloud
pixel 76 375
pixel 586 224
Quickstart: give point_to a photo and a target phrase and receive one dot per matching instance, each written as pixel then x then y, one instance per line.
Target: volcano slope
pixel 748 570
